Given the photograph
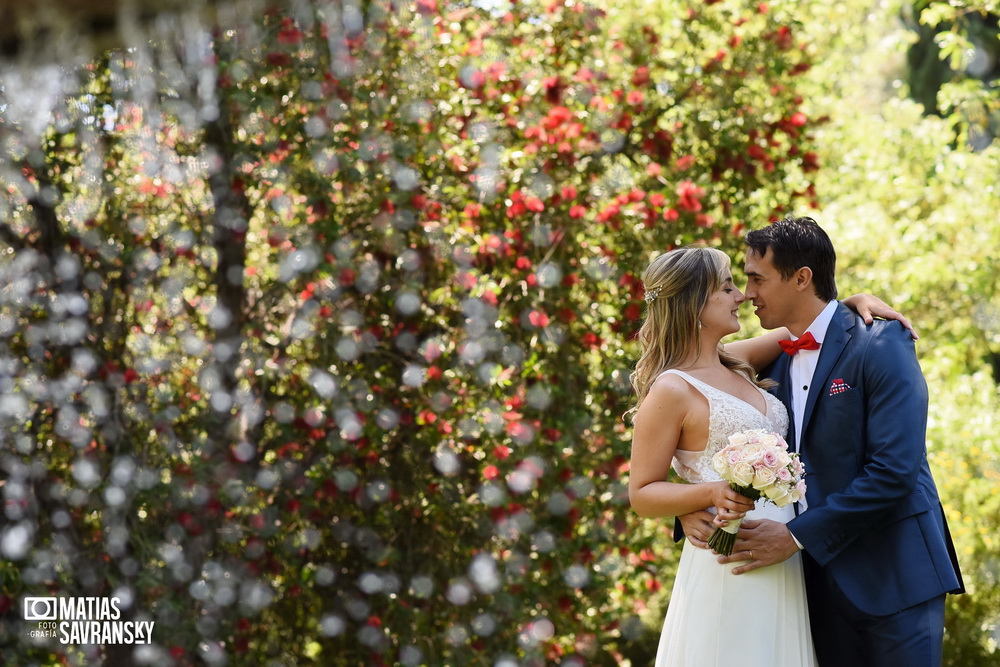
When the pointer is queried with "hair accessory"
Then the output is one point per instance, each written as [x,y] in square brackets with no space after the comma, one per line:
[651,295]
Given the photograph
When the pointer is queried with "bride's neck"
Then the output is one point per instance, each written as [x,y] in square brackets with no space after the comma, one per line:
[706,357]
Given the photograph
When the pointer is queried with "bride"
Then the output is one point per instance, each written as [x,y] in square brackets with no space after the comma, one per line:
[692,393]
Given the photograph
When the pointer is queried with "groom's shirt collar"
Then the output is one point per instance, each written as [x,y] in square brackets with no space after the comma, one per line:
[821,323]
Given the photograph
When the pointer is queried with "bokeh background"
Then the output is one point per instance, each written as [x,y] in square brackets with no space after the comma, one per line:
[316,317]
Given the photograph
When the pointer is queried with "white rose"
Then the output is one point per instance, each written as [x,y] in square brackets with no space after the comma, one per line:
[742,473]
[763,478]
[752,453]
[738,439]
[720,462]
[769,440]
[779,495]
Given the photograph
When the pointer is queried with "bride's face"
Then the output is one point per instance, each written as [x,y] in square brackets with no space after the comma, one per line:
[720,314]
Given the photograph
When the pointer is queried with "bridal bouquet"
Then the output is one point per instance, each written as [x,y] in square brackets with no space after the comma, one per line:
[757,464]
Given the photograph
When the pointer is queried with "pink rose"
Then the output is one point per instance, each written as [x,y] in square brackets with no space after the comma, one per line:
[770,458]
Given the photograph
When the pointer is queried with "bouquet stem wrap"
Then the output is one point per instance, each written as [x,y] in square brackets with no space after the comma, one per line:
[724,537]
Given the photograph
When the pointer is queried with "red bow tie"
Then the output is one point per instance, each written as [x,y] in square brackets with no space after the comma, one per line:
[806,342]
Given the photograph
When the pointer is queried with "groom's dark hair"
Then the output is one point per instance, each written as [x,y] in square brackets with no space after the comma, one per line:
[797,242]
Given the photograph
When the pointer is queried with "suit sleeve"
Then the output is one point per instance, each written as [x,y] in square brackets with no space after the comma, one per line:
[895,425]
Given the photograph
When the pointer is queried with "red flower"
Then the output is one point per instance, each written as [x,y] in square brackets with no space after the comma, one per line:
[810,162]
[690,196]
[567,315]
[641,77]
[556,117]
[783,37]
[279,59]
[289,34]
[756,152]
[798,119]
[538,319]
[427,7]
[491,472]
[684,162]
[553,89]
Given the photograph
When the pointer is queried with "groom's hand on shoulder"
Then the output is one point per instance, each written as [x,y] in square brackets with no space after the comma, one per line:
[759,544]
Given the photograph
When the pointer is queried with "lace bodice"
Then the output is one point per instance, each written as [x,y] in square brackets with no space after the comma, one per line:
[727,415]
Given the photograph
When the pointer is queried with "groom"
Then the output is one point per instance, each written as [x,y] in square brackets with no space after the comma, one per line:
[878,558]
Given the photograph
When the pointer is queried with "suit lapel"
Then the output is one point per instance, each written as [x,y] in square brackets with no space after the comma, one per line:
[837,336]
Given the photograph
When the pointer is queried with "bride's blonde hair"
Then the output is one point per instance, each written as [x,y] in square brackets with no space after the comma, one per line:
[678,284]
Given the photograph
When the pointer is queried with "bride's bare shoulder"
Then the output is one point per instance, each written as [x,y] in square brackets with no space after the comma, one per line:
[670,388]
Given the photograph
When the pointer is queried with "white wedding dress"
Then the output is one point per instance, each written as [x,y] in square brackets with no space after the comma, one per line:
[757,619]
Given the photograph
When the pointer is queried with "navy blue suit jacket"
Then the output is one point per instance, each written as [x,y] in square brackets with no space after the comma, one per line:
[874,521]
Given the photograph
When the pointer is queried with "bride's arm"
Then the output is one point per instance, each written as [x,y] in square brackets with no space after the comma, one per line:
[659,423]
[761,350]
[868,306]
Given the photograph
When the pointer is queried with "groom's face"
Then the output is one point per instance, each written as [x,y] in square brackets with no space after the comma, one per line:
[773,297]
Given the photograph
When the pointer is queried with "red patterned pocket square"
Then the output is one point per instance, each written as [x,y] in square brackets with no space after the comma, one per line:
[838,386]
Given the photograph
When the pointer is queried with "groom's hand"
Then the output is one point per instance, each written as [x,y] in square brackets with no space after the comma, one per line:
[698,527]
[762,543]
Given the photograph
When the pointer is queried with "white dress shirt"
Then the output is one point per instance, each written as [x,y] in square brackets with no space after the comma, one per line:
[801,375]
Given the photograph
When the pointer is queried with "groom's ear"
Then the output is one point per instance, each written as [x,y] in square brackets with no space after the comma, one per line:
[803,278]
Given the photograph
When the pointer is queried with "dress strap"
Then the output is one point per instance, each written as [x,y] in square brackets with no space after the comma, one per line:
[694,382]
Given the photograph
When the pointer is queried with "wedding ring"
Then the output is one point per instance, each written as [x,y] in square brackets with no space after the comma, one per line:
[751,554]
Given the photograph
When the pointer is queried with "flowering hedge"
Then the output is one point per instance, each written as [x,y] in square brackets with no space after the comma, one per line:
[317,339]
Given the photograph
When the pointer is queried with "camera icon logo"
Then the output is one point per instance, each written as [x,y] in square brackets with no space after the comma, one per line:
[40,609]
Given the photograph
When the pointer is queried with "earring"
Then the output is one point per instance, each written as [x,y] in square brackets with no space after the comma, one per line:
[699,324]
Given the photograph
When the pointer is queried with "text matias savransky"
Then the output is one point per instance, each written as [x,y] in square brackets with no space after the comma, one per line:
[85,620]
